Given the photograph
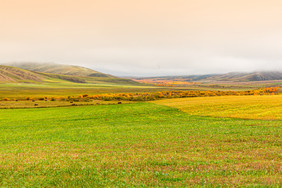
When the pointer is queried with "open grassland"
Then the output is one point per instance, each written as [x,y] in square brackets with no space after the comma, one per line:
[141,144]
[248,107]
[46,104]
[69,89]
[209,84]
[53,88]
[27,102]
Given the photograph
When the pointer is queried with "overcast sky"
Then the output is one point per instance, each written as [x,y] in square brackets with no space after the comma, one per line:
[144,37]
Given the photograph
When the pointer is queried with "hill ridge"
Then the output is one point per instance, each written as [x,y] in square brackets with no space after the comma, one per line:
[231,76]
[76,74]
[62,69]
[14,74]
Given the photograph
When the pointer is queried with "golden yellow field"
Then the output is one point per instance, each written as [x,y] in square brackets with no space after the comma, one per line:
[248,107]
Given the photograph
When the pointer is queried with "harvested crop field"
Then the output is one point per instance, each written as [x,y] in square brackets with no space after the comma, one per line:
[268,107]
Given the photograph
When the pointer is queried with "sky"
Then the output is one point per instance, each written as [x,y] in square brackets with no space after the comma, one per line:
[145,37]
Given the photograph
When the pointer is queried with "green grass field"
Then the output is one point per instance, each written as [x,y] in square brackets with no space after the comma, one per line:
[48,104]
[140,144]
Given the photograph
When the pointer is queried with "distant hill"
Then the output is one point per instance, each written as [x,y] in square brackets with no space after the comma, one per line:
[245,77]
[184,78]
[60,69]
[33,72]
[233,76]
[10,74]
[14,74]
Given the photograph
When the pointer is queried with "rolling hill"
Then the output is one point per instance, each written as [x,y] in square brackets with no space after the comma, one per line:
[32,72]
[230,77]
[14,74]
[60,69]
[245,77]
[38,72]
[9,74]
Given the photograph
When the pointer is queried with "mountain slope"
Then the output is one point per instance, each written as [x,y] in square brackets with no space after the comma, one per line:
[32,72]
[14,74]
[60,69]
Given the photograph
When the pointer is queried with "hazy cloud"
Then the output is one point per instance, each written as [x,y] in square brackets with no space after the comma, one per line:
[144,38]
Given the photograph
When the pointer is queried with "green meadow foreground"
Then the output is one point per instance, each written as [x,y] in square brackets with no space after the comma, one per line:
[139,144]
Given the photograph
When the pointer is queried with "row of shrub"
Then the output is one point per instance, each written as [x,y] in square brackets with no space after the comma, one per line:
[153,96]
[179,94]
